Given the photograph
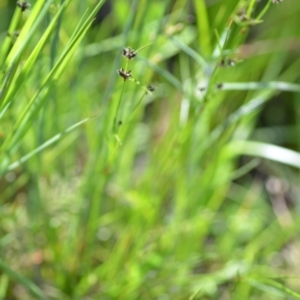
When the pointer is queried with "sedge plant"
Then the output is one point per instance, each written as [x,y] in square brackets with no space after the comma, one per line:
[158,180]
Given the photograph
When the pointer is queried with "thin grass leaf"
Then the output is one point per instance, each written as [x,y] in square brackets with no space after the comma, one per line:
[189,51]
[245,110]
[263,150]
[7,42]
[26,283]
[22,123]
[30,62]
[9,78]
[4,280]
[272,85]
[203,27]
[167,75]
[245,169]
[269,285]
[45,145]
[37,14]
[2,112]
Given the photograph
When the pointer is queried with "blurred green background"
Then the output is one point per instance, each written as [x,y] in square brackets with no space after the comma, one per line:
[111,191]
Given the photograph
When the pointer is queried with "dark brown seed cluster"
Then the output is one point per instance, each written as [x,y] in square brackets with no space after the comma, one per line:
[124,74]
[150,88]
[242,15]
[226,62]
[219,86]
[23,5]
[129,53]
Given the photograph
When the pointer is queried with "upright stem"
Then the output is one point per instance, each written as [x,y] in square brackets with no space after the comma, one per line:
[116,116]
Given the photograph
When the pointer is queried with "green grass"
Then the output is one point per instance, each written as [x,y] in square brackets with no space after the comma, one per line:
[110,191]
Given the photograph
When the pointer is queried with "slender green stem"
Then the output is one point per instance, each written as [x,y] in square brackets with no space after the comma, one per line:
[143,47]
[250,8]
[265,9]
[116,116]
[137,105]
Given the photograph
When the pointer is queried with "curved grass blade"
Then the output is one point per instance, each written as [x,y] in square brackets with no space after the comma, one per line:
[189,51]
[7,42]
[263,150]
[272,286]
[29,285]
[272,85]
[34,105]
[36,16]
[203,26]
[46,145]
[29,64]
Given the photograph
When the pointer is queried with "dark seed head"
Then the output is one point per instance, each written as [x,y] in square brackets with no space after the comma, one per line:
[129,53]
[226,61]
[23,5]
[150,88]
[124,74]
[219,85]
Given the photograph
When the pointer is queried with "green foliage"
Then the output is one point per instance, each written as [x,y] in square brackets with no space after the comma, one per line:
[132,177]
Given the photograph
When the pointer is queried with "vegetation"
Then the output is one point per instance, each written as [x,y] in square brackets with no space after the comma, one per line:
[151,152]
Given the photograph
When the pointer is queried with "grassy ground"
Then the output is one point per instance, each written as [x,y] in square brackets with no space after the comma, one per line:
[175,177]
